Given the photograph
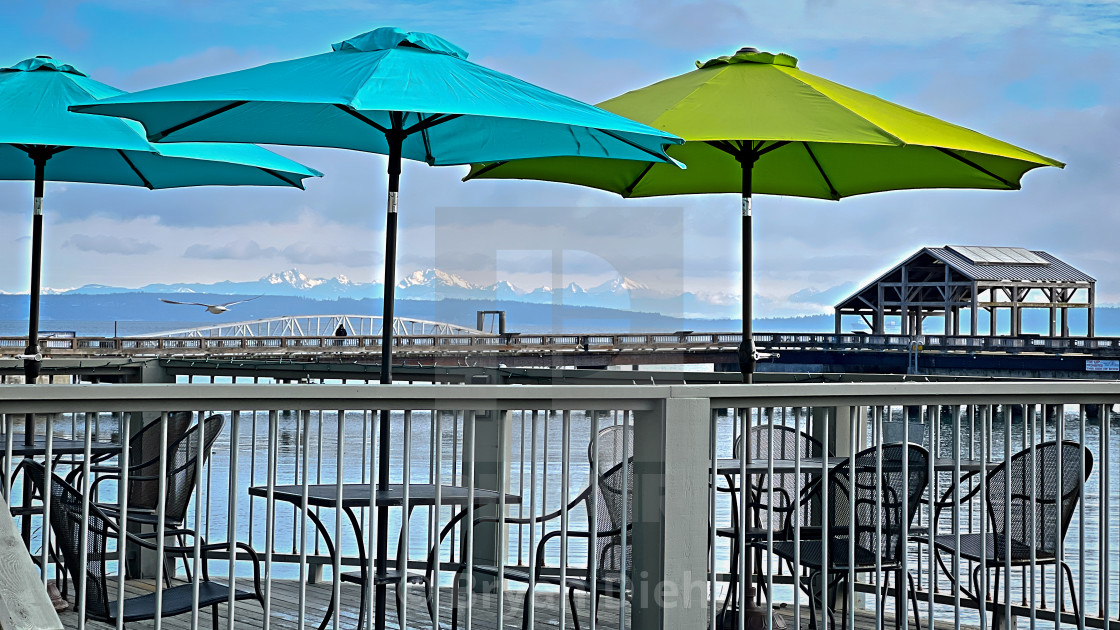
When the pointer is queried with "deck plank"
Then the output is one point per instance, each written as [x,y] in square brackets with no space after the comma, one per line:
[285,601]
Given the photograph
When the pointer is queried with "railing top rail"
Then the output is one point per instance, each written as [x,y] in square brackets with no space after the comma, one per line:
[163,397]
[904,393]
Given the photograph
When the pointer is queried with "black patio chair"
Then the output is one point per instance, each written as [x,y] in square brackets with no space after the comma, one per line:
[143,476]
[614,518]
[1043,500]
[143,447]
[66,505]
[787,443]
[879,492]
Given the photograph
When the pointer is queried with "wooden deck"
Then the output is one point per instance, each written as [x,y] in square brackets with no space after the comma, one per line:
[285,606]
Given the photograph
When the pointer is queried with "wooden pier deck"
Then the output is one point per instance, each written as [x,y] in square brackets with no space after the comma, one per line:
[285,606]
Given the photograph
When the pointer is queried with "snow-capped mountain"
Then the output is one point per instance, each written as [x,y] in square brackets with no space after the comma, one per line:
[434,284]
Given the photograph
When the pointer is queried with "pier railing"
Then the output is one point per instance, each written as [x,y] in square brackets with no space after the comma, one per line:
[496,460]
[294,343]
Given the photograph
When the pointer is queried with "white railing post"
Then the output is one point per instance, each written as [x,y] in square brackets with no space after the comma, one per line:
[490,456]
[671,471]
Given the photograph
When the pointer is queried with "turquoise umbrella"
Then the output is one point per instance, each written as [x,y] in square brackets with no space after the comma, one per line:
[41,140]
[406,95]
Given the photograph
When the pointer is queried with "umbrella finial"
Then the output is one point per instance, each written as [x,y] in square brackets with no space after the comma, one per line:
[389,37]
[43,62]
[750,54]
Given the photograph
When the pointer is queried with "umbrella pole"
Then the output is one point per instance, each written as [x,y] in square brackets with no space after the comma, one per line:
[747,358]
[381,568]
[32,360]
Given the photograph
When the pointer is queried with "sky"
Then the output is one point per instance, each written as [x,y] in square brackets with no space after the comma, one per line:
[1041,74]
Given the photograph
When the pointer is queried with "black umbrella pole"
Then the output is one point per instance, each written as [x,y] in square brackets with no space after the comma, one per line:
[32,361]
[746,347]
[381,568]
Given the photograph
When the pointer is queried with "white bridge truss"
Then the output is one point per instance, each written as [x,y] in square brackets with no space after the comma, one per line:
[318,326]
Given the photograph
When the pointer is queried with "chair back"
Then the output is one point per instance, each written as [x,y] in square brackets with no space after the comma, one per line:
[785,442]
[884,500]
[66,521]
[144,455]
[1043,497]
[182,466]
[612,460]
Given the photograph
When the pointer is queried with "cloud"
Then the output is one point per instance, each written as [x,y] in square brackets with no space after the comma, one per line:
[101,244]
[234,250]
[306,253]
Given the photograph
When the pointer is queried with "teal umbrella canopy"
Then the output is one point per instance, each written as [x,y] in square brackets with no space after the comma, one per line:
[41,140]
[452,111]
[34,120]
[407,95]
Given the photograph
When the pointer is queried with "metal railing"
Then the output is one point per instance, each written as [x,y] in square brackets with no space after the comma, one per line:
[437,340]
[481,466]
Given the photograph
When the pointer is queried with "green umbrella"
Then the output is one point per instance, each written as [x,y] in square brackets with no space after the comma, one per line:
[40,140]
[754,123]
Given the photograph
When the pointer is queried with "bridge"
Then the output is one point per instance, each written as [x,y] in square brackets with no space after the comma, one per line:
[318,326]
[433,344]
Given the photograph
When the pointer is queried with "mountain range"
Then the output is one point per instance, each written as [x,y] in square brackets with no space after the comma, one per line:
[433,285]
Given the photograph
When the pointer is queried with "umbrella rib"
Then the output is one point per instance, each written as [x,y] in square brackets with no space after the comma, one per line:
[483,170]
[297,183]
[660,158]
[427,123]
[725,146]
[764,150]
[156,137]
[147,184]
[961,158]
[820,169]
[359,116]
[637,180]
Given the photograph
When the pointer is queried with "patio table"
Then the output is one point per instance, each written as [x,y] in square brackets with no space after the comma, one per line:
[357,495]
[59,446]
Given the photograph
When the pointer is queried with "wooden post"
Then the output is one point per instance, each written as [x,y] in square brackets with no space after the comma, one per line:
[1092,309]
[24,603]
[973,323]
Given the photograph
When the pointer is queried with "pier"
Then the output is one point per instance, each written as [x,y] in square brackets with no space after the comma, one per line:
[1024,356]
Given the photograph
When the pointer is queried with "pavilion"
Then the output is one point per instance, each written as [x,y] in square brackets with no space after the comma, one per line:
[944,281]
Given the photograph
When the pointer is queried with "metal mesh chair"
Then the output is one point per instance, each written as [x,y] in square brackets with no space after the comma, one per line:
[613,521]
[785,442]
[879,491]
[181,468]
[1043,500]
[100,603]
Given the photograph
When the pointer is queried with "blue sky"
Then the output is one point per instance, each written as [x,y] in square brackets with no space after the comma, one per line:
[1039,74]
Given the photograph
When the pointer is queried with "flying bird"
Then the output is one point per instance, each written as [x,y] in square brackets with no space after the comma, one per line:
[216,309]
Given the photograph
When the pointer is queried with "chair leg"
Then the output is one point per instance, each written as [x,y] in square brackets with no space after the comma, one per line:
[914,600]
[455,598]
[214,616]
[1072,591]
[525,609]
[572,605]
[813,604]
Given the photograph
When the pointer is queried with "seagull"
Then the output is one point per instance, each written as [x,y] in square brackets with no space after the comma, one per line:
[216,309]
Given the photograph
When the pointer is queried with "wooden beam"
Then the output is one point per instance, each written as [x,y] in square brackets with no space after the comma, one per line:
[24,603]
